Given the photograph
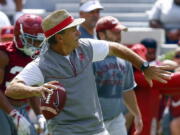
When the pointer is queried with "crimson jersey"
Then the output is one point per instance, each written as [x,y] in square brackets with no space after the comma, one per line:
[17,61]
[175,106]
[148,99]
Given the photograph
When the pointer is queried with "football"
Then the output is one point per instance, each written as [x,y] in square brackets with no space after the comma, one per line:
[54,103]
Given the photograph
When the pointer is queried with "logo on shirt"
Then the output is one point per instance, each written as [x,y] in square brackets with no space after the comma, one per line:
[81,56]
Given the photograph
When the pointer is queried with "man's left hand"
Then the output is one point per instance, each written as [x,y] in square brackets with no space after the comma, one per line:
[158,73]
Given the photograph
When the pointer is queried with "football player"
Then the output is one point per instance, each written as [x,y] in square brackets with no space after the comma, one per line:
[14,55]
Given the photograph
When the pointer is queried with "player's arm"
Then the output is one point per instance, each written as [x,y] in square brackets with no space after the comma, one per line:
[158,73]
[4,103]
[4,60]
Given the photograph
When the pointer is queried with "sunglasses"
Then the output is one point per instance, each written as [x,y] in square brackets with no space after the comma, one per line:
[177,56]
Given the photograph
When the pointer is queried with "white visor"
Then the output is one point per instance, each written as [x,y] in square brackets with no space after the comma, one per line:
[90,6]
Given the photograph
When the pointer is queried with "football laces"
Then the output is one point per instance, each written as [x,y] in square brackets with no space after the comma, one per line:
[48,97]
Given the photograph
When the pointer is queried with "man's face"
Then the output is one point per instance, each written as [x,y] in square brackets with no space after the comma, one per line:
[70,39]
[91,17]
[114,36]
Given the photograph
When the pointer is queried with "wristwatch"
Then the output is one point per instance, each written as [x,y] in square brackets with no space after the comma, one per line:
[144,66]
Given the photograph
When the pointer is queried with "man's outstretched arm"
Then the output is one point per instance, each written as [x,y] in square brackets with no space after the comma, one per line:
[157,73]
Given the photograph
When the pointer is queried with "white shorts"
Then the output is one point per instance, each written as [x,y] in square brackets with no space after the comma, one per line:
[116,126]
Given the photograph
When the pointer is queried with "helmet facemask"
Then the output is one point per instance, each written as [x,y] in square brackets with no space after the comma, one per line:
[28,34]
[30,42]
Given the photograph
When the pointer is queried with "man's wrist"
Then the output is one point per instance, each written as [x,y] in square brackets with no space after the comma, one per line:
[144,66]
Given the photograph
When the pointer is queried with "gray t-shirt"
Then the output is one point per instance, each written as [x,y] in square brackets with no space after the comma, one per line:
[113,76]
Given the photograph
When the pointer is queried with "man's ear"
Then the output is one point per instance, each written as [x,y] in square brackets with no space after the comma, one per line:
[58,37]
